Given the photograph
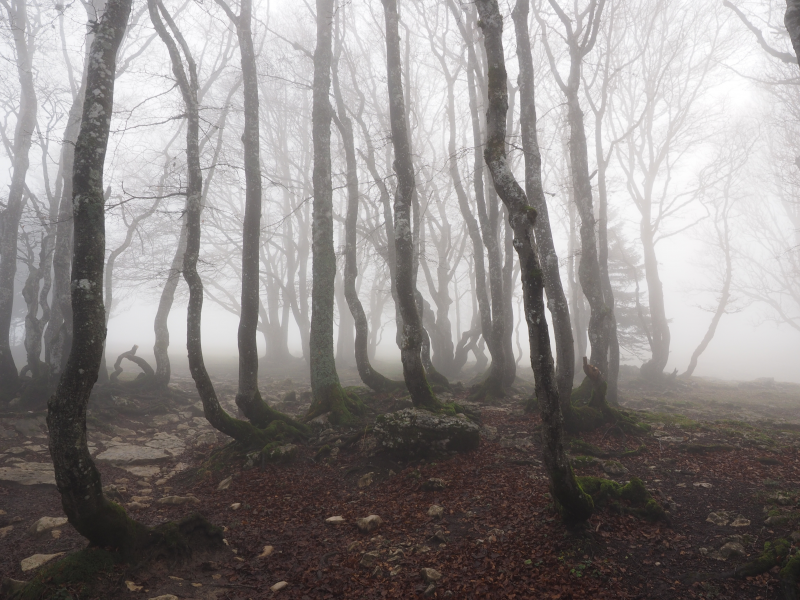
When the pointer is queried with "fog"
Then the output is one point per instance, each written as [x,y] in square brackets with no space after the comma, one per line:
[697,114]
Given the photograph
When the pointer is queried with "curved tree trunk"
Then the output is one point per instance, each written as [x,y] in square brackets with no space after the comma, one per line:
[567,493]
[101,521]
[9,218]
[369,376]
[556,298]
[411,337]
[660,334]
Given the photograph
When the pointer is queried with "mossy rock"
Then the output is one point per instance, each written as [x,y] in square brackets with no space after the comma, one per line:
[632,497]
[78,573]
[415,433]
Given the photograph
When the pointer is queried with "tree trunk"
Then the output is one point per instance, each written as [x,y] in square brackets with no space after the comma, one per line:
[791,21]
[369,376]
[574,504]
[411,337]
[101,521]
[160,326]
[556,298]
[328,395]
[660,335]
[9,218]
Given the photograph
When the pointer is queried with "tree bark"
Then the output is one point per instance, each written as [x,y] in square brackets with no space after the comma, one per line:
[574,504]
[791,20]
[411,336]
[660,334]
[328,395]
[101,521]
[556,298]
[9,218]
[369,376]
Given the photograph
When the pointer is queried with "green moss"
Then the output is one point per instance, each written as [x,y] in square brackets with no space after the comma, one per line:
[578,445]
[773,554]
[637,499]
[636,452]
[790,573]
[344,407]
[670,419]
[75,573]
[583,462]
[570,498]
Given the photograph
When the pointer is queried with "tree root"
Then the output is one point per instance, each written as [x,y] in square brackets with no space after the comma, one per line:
[281,426]
[344,407]
[144,378]
[637,500]
[598,412]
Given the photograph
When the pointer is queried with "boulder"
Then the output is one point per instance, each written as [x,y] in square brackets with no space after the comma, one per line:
[28,473]
[369,524]
[45,524]
[436,511]
[37,560]
[732,550]
[337,520]
[365,480]
[614,468]
[413,432]
[128,454]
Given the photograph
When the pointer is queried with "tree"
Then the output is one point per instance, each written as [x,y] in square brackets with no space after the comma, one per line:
[411,336]
[328,395]
[574,504]
[24,35]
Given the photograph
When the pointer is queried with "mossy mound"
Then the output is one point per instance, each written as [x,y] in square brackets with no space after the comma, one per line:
[342,406]
[631,498]
[597,412]
[74,576]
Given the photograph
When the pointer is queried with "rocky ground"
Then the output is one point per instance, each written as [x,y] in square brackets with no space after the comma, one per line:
[722,457]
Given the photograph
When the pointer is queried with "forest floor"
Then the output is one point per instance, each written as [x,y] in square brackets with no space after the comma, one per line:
[728,448]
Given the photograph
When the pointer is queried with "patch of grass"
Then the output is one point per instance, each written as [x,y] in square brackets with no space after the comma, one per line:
[675,420]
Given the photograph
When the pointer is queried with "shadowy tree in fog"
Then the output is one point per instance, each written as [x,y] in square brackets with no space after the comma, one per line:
[24,34]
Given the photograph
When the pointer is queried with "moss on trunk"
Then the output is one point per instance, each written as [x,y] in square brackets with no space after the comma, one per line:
[343,407]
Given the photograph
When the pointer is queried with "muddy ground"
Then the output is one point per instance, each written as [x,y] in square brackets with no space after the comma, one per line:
[727,448]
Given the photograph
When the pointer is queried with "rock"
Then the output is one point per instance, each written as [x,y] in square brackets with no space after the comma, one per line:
[365,480]
[368,559]
[137,505]
[614,468]
[236,506]
[337,520]
[55,534]
[776,520]
[489,432]
[113,492]
[4,531]
[430,575]
[740,521]
[29,473]
[266,552]
[162,420]
[414,432]
[141,471]
[279,586]
[718,518]
[702,484]
[178,500]
[321,419]
[434,484]
[28,426]
[37,560]
[45,524]
[783,500]
[436,511]
[165,597]
[166,441]
[369,524]
[133,587]
[283,453]
[794,536]
[128,454]
[732,550]
[225,484]
[205,439]
[429,590]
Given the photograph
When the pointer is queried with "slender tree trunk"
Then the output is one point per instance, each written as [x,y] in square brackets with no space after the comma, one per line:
[77,478]
[328,395]
[9,218]
[556,298]
[411,337]
[575,505]
[660,334]
[368,375]
[160,326]
[791,21]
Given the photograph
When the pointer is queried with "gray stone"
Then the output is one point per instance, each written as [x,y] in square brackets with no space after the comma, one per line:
[720,517]
[369,524]
[28,473]
[45,524]
[412,431]
[489,432]
[740,521]
[141,470]
[365,480]
[37,560]
[128,454]
[732,550]
[436,511]
[614,468]
[7,434]
[337,520]
[168,442]
[283,453]
[206,438]
[162,420]
[4,531]
[776,520]
[28,426]
[225,483]
[368,559]
[279,586]
[430,575]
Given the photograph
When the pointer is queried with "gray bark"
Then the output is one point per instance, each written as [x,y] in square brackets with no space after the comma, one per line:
[10,216]
[411,336]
